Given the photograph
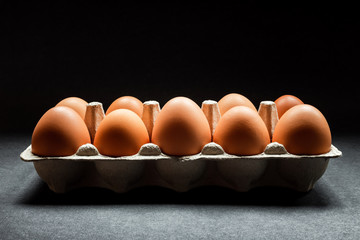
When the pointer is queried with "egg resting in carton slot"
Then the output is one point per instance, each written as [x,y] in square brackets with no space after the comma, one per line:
[150,167]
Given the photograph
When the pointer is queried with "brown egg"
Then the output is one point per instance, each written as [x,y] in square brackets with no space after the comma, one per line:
[181,128]
[241,131]
[121,133]
[127,102]
[59,132]
[286,102]
[77,104]
[232,100]
[303,130]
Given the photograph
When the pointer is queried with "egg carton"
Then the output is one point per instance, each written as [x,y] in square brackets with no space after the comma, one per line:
[151,167]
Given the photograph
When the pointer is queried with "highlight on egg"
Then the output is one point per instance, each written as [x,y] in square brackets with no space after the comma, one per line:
[127,102]
[232,100]
[181,128]
[59,132]
[303,129]
[121,133]
[286,102]
[76,103]
[241,131]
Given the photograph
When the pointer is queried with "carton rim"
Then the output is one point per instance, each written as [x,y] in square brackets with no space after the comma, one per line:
[28,156]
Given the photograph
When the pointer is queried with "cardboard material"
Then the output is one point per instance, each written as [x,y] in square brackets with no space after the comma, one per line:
[93,116]
[269,115]
[212,113]
[212,166]
[150,111]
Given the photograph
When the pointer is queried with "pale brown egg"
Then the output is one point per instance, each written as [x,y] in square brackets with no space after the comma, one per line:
[286,102]
[59,132]
[127,102]
[303,129]
[232,100]
[77,104]
[121,133]
[181,128]
[241,131]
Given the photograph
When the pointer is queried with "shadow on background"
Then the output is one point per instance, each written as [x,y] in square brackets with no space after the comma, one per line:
[320,196]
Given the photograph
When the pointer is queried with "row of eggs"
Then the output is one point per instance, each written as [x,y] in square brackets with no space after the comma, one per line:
[181,128]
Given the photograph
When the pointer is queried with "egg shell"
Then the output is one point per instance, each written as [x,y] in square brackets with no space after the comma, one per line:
[232,100]
[77,104]
[59,132]
[303,130]
[121,133]
[241,131]
[286,102]
[127,102]
[181,128]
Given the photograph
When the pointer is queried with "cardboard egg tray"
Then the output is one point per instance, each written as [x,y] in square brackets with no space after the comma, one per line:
[211,167]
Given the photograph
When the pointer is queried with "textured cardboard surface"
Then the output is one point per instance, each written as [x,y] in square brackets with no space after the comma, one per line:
[150,167]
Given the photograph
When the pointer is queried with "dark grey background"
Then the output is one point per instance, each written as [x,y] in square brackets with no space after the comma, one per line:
[29,210]
[103,50]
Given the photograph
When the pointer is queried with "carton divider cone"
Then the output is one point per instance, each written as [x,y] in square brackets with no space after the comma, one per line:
[93,116]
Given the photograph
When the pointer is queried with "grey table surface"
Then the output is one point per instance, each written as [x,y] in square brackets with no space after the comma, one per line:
[29,210]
